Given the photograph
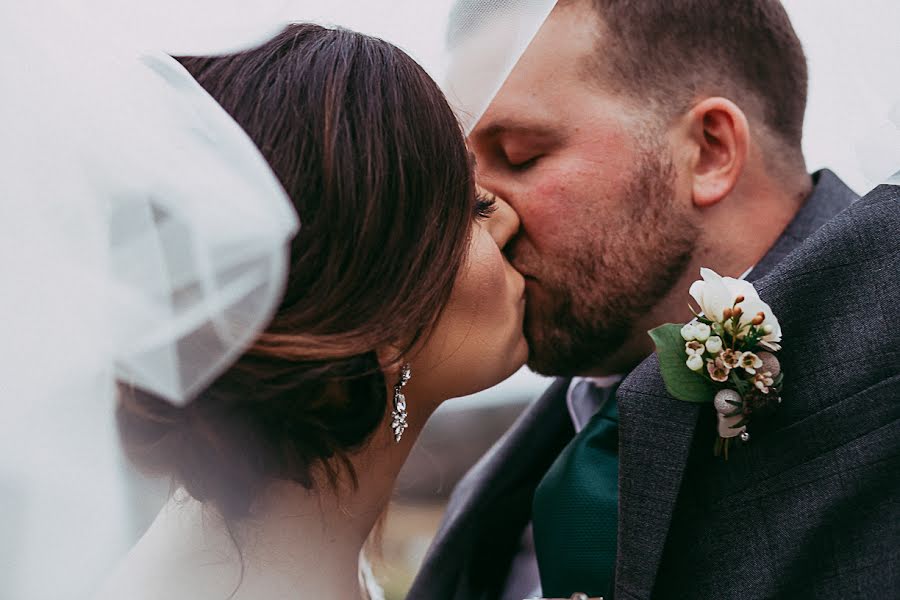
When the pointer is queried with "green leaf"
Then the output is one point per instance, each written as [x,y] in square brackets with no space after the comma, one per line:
[681,382]
[738,383]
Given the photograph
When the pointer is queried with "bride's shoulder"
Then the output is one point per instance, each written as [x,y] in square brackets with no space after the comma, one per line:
[183,555]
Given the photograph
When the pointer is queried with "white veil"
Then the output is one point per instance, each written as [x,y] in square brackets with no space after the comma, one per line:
[144,230]
[143,237]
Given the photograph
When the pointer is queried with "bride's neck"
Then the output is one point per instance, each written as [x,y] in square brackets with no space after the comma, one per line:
[311,540]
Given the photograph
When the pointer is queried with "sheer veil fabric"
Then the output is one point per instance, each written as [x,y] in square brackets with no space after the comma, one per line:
[468,46]
[144,192]
[143,238]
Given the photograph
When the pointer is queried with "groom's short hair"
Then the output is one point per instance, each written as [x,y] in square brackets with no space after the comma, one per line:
[672,52]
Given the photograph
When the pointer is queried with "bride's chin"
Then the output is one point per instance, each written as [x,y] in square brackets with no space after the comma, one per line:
[522,351]
[500,367]
[517,357]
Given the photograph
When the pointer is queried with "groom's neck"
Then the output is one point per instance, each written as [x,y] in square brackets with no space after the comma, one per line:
[749,223]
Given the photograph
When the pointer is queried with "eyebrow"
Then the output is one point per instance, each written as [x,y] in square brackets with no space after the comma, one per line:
[503,126]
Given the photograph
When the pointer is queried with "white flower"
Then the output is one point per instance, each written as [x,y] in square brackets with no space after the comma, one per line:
[702,332]
[731,358]
[770,325]
[694,347]
[750,362]
[718,370]
[689,332]
[714,344]
[762,381]
[695,362]
[716,293]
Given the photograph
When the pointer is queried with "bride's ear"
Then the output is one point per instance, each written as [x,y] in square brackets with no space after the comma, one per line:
[720,134]
[390,360]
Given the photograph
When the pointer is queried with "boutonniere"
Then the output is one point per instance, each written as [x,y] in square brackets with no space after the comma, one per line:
[725,355]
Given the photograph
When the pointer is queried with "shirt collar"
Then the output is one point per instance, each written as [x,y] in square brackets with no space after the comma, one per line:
[582,407]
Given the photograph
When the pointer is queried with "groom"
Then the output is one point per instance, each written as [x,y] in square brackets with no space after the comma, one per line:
[640,141]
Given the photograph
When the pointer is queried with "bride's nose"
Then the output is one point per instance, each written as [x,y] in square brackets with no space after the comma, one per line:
[503,224]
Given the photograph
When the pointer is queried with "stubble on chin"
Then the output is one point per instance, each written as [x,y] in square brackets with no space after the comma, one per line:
[595,291]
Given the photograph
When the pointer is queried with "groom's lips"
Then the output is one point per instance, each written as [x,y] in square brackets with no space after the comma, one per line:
[522,271]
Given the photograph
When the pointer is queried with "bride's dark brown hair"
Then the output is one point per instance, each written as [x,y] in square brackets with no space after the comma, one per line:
[376,165]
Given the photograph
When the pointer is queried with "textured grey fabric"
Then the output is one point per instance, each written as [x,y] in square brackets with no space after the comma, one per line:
[810,508]
[491,506]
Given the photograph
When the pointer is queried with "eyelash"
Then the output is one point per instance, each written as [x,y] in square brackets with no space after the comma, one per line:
[523,166]
[485,205]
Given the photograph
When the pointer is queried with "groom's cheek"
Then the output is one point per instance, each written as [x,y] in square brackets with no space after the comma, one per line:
[545,202]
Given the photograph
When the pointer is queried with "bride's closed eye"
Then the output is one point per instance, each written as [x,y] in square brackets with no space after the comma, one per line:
[485,205]
[498,217]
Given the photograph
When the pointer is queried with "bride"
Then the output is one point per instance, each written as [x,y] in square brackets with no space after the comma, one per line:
[398,298]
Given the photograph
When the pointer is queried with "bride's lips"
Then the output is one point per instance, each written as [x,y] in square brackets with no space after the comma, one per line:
[529,280]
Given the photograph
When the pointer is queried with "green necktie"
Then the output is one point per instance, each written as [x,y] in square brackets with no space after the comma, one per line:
[575,507]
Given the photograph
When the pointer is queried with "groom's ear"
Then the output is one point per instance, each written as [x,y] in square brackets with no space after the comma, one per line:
[721,137]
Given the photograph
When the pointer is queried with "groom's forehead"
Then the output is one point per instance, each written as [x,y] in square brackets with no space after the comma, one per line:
[493,55]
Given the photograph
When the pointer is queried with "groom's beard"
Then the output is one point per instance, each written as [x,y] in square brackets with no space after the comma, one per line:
[592,295]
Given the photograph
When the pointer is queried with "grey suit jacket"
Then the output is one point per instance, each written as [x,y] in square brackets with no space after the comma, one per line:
[810,508]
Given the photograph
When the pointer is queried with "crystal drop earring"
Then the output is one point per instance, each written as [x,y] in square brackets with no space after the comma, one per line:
[398,416]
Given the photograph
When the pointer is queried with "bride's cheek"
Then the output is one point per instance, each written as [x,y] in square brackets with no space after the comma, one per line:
[478,307]
[496,304]
[488,280]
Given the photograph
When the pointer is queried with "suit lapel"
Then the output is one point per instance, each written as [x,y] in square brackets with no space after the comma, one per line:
[656,431]
[492,504]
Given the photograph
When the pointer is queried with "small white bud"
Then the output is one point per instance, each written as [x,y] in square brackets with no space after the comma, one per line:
[714,344]
[695,362]
[702,332]
[767,329]
[694,347]
[689,332]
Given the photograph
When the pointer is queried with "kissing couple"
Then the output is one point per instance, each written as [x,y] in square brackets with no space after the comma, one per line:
[632,145]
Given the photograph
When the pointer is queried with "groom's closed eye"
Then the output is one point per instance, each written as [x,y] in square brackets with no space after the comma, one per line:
[522,165]
[515,147]
[521,153]
[518,157]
